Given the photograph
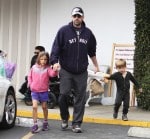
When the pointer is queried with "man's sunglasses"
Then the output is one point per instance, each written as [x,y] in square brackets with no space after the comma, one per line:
[36,53]
[77,15]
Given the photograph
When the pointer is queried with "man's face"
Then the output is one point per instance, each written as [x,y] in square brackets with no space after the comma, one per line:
[77,20]
[36,51]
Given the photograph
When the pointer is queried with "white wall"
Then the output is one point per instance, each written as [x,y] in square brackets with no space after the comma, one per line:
[19,34]
[112,21]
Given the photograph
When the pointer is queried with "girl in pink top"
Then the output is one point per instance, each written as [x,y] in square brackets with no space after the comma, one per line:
[38,81]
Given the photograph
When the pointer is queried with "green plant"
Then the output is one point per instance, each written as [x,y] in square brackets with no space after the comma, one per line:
[142,51]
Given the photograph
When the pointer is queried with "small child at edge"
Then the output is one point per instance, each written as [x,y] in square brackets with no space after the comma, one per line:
[122,78]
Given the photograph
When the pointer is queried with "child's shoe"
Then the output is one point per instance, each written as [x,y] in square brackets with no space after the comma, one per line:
[115,115]
[124,117]
[34,129]
[45,126]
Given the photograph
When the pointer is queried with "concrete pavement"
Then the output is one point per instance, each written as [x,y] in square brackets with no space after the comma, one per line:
[93,114]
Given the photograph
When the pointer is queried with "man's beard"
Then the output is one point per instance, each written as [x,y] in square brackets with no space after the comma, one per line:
[77,24]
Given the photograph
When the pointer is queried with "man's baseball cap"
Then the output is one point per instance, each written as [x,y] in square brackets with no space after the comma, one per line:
[77,10]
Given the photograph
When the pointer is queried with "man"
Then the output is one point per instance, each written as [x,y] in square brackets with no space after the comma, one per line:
[71,47]
[37,50]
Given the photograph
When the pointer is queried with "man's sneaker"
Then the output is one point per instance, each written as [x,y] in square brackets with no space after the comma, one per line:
[64,124]
[115,115]
[124,117]
[34,129]
[45,126]
[76,129]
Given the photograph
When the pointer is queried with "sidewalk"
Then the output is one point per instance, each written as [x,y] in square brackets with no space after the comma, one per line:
[95,113]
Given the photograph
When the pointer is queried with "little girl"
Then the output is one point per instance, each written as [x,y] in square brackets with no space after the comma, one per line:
[38,81]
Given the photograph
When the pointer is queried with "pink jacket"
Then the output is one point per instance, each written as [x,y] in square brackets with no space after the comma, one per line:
[38,78]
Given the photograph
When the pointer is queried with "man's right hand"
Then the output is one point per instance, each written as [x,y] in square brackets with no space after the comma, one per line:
[56,66]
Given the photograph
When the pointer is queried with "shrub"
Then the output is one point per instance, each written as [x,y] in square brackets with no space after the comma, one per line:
[142,51]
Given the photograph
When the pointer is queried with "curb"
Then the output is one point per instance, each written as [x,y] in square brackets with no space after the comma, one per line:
[21,113]
[139,132]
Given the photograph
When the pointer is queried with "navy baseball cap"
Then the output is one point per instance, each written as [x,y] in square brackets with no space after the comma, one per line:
[77,10]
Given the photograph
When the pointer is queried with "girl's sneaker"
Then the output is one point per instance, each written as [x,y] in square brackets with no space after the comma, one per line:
[45,126]
[35,128]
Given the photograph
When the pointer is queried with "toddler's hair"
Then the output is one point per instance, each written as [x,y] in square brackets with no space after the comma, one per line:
[41,54]
[120,63]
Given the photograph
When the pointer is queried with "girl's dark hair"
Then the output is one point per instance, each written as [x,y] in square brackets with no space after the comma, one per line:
[42,54]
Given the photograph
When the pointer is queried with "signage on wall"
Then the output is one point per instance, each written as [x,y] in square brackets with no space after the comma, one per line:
[123,51]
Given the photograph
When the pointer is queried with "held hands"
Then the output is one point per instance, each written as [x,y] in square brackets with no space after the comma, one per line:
[105,80]
[106,75]
[56,67]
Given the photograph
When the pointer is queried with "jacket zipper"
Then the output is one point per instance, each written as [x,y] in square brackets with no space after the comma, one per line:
[40,78]
[78,37]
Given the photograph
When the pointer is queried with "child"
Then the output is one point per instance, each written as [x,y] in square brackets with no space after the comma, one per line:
[37,50]
[38,81]
[122,78]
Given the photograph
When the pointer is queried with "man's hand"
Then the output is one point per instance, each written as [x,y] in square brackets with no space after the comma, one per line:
[56,67]
[96,70]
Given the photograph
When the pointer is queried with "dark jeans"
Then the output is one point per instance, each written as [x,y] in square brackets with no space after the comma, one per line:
[122,97]
[79,84]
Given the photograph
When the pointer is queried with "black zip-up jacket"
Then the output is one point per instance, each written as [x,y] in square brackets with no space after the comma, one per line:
[123,84]
[72,50]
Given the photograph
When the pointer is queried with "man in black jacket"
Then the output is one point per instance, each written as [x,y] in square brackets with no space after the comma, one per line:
[37,50]
[72,46]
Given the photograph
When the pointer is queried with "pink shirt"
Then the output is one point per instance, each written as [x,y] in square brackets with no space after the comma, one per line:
[38,78]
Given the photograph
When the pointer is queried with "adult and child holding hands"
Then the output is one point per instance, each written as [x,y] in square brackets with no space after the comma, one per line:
[72,45]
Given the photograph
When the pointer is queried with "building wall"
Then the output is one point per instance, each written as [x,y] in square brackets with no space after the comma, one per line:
[112,21]
[26,23]
[19,30]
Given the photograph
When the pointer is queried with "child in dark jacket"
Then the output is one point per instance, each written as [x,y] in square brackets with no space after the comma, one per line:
[38,81]
[122,78]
